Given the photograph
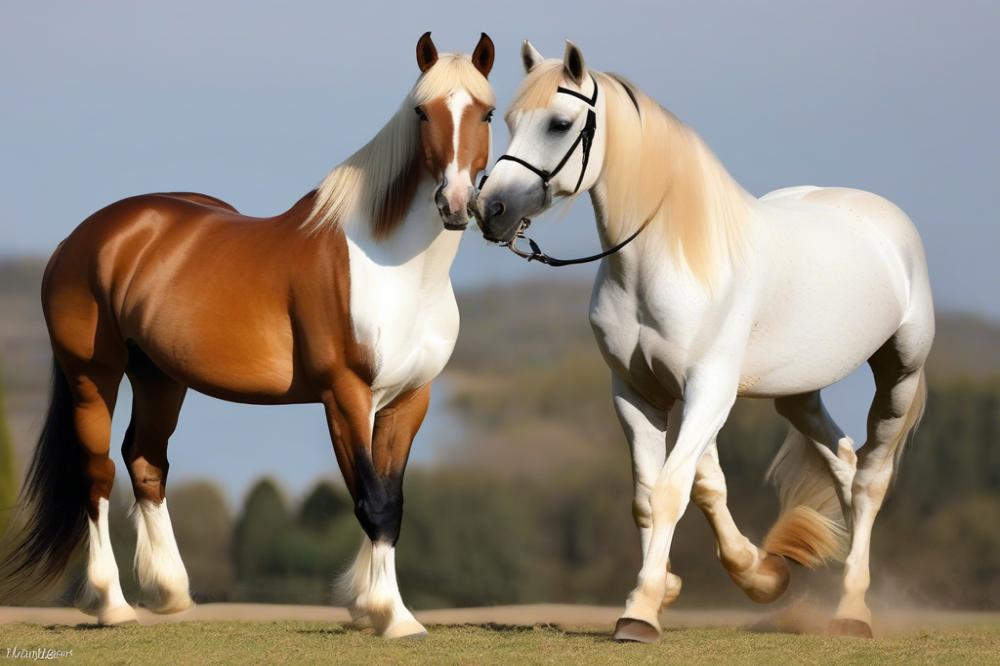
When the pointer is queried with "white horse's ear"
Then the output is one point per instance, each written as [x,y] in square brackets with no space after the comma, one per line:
[530,56]
[427,53]
[573,63]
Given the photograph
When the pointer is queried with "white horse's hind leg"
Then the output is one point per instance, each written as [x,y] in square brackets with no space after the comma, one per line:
[764,577]
[899,399]
[808,415]
[102,593]
[371,593]
[163,580]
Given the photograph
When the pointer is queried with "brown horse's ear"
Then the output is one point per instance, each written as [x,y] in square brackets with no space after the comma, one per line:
[427,53]
[482,57]
[573,63]
[530,56]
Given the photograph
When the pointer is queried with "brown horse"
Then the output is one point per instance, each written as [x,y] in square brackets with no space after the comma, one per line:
[344,299]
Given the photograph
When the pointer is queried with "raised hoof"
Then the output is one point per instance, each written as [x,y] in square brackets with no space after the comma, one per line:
[852,628]
[632,630]
[767,581]
[117,617]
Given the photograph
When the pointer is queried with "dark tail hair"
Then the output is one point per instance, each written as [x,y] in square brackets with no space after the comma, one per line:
[52,507]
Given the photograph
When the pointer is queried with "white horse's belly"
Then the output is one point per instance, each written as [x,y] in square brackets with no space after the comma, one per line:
[837,288]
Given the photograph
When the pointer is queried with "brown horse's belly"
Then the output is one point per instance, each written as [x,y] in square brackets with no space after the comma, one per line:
[227,337]
[248,367]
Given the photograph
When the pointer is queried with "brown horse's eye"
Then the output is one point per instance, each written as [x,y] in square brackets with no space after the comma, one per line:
[488,118]
[420,113]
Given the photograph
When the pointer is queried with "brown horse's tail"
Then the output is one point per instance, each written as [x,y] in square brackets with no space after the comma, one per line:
[52,508]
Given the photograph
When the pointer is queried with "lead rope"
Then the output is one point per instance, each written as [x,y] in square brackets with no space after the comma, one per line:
[536,253]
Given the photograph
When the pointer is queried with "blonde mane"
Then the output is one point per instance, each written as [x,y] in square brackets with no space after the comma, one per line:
[698,209]
[381,178]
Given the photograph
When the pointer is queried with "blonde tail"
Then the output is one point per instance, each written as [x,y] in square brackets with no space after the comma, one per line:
[810,528]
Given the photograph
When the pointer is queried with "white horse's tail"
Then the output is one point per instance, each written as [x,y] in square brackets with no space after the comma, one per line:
[810,528]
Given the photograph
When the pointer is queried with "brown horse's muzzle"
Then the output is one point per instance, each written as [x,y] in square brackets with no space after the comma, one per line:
[455,206]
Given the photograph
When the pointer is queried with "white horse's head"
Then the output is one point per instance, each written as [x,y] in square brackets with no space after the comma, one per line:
[557,145]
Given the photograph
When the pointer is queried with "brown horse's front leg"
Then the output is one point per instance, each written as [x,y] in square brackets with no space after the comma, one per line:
[373,461]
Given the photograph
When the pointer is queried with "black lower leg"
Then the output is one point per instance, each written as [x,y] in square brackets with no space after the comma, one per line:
[378,504]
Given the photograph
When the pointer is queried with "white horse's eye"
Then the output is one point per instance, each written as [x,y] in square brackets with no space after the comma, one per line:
[559,125]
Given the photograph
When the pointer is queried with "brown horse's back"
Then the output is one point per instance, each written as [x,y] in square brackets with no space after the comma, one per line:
[204,199]
[204,292]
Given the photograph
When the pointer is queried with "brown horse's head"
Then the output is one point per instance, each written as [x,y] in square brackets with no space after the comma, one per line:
[454,103]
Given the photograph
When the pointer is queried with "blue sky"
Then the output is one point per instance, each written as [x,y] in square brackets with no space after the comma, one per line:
[255,102]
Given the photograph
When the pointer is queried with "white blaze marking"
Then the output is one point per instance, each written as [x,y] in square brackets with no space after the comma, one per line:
[457,103]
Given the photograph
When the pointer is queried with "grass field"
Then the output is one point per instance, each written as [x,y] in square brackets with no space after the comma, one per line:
[300,642]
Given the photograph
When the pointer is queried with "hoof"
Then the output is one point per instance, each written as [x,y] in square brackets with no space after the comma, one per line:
[118,616]
[361,623]
[164,599]
[632,630]
[176,604]
[405,629]
[853,628]
[765,582]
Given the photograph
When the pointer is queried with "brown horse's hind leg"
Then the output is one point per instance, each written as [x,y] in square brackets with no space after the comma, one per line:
[156,403]
[95,390]
[369,588]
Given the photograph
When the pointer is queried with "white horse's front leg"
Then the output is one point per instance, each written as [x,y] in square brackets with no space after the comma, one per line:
[763,576]
[709,395]
[645,429]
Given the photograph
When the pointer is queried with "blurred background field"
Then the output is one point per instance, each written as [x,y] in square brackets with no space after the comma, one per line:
[526,496]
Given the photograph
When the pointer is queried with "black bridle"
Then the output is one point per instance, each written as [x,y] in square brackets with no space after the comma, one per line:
[586,139]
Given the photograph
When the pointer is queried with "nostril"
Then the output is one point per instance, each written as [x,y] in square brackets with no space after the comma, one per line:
[497,208]
[441,200]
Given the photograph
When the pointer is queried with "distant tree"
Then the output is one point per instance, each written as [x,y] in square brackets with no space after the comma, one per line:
[259,532]
[323,506]
[203,526]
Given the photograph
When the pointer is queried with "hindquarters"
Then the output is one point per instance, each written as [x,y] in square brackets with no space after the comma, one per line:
[841,271]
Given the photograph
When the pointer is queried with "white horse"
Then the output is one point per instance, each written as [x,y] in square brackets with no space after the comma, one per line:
[720,295]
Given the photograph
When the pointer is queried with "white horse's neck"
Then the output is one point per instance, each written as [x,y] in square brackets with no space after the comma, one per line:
[700,220]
